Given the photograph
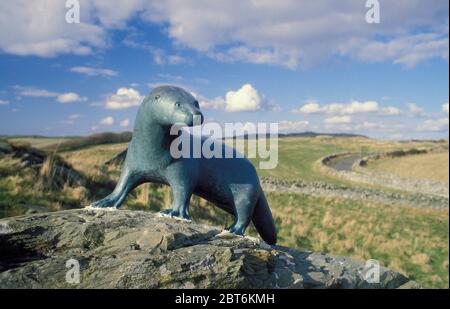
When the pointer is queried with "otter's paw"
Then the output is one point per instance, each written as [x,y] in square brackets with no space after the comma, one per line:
[103,203]
[176,214]
[239,231]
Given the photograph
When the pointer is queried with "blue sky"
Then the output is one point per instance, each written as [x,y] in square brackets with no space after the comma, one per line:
[310,66]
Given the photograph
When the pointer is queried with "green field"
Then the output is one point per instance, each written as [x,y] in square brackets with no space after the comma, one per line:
[410,240]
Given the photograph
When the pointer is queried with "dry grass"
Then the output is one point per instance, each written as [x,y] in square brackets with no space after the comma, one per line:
[38,142]
[46,174]
[297,155]
[433,166]
[24,189]
[90,160]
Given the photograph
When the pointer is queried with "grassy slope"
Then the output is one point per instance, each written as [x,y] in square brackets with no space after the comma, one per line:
[432,166]
[296,156]
[39,142]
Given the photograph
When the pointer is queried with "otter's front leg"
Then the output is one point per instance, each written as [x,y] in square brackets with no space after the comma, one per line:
[125,184]
[181,196]
[182,180]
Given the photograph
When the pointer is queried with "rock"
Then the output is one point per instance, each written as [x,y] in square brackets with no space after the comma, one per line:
[135,249]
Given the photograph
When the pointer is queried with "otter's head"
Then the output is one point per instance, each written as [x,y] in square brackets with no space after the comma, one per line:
[170,105]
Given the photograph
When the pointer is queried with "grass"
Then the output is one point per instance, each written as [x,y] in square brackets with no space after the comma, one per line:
[23,189]
[412,241]
[89,160]
[38,142]
[433,166]
[296,155]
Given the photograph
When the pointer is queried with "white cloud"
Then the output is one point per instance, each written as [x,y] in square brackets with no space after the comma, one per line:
[124,98]
[161,58]
[70,97]
[67,97]
[72,119]
[337,120]
[125,123]
[367,125]
[407,50]
[351,108]
[216,103]
[94,71]
[390,111]
[246,98]
[434,125]
[301,32]
[258,56]
[414,109]
[108,121]
[39,28]
[116,15]
[290,33]
[360,107]
[159,55]
[4,102]
[34,92]
[293,126]
[310,108]
[445,108]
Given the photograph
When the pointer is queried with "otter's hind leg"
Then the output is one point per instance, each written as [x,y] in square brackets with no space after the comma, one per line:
[125,184]
[244,202]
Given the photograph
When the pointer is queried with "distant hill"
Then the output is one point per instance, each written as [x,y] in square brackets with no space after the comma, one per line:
[77,142]
[315,134]
[91,140]
[307,134]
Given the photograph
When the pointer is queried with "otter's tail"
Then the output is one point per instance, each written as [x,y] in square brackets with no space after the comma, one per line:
[263,220]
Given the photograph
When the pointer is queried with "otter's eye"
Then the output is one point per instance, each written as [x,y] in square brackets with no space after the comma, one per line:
[177,104]
[157,97]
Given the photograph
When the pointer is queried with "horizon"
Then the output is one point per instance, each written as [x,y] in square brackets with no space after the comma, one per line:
[280,135]
[310,67]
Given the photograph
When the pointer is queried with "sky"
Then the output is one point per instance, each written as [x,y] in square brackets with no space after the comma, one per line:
[307,65]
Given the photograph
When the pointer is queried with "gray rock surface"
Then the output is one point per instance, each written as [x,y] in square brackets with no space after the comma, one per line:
[134,249]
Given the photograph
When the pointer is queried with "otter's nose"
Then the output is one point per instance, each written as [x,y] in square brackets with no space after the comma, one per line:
[198,117]
[196,114]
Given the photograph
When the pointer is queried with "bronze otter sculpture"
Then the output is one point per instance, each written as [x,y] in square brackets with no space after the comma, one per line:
[232,184]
